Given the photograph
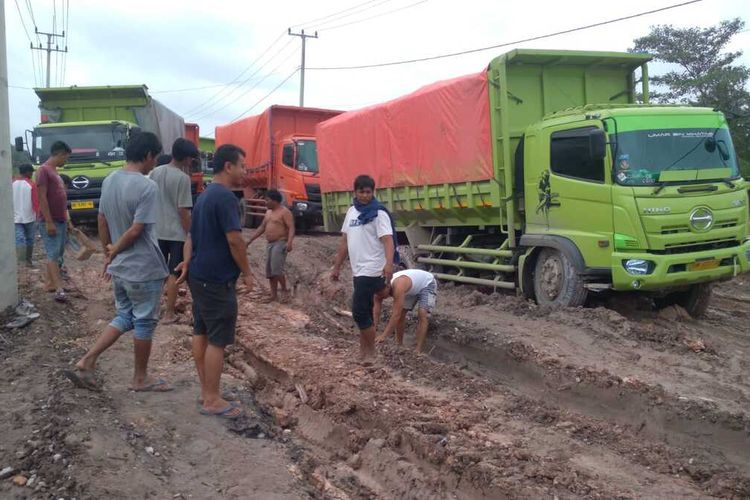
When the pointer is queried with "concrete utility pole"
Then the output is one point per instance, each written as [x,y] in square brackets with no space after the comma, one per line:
[303,36]
[8,269]
[49,48]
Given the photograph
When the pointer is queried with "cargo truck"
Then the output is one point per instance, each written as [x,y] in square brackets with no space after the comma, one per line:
[544,174]
[96,122]
[281,154]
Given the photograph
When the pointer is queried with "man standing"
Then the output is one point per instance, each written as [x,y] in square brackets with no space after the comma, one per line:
[25,210]
[409,288]
[53,205]
[368,239]
[278,225]
[173,222]
[127,214]
[215,254]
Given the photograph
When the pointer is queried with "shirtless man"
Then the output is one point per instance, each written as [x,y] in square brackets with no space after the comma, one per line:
[278,225]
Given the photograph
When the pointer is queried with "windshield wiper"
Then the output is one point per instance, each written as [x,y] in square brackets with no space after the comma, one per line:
[729,183]
[659,187]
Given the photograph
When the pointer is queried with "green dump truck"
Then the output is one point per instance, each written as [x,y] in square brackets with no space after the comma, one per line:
[96,122]
[543,174]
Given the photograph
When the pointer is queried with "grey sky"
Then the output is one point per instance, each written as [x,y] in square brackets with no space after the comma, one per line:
[170,45]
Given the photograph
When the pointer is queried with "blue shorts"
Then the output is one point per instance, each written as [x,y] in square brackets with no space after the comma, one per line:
[54,246]
[137,305]
[25,234]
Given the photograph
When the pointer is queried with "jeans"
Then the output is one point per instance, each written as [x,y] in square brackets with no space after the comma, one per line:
[54,246]
[137,306]
[25,241]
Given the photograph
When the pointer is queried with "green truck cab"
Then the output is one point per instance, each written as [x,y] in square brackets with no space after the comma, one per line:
[96,122]
[589,192]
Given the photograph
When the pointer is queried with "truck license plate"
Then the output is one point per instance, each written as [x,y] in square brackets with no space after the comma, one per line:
[703,265]
[79,205]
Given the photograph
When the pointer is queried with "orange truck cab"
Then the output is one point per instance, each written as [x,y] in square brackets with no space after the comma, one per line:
[280,153]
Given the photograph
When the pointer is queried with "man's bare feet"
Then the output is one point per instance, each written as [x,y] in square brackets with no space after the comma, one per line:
[223,408]
[151,384]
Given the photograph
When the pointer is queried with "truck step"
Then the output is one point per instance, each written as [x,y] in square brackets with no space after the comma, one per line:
[509,285]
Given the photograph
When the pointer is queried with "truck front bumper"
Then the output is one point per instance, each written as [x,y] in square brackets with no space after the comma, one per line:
[307,209]
[678,270]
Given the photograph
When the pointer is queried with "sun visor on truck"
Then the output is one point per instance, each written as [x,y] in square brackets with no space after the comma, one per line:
[438,134]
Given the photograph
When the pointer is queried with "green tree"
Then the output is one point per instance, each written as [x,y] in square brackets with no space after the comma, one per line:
[703,74]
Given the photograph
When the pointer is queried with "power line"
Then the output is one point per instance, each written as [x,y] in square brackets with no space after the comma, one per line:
[210,112]
[505,44]
[188,89]
[350,14]
[331,15]
[30,8]
[67,37]
[374,16]
[31,44]
[201,107]
[267,95]
[270,73]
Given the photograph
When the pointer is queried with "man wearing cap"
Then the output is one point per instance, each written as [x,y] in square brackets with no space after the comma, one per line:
[173,223]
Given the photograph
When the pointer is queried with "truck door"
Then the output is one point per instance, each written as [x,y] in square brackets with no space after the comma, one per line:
[575,193]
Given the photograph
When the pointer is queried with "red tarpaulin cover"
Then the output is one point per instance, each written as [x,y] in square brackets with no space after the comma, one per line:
[438,134]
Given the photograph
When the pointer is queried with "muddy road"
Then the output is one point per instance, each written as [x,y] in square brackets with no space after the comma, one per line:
[614,400]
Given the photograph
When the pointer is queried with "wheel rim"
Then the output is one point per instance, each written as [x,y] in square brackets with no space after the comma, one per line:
[551,278]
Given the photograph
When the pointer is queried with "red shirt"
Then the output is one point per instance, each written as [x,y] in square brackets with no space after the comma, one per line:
[57,198]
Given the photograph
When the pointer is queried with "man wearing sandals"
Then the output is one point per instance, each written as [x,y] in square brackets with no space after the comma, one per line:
[215,255]
[128,211]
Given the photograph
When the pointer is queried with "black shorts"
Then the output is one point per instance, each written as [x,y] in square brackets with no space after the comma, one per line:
[172,252]
[214,311]
[365,288]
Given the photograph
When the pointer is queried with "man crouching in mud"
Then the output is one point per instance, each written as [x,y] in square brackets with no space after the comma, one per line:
[409,288]
[368,239]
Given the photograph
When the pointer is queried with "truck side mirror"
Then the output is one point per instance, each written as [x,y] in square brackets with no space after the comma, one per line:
[287,155]
[19,144]
[597,144]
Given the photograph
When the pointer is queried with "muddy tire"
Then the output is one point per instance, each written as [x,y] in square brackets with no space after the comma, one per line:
[556,281]
[695,300]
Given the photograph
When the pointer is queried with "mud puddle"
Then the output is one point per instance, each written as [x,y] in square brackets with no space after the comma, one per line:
[649,410]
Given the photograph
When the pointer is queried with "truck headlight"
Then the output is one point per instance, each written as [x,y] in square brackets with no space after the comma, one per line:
[638,267]
[301,206]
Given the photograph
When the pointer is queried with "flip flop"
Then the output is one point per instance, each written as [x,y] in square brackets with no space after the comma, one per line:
[225,413]
[160,385]
[20,322]
[82,381]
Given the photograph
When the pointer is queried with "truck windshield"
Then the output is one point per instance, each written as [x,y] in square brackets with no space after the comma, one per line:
[642,155]
[98,143]
[307,156]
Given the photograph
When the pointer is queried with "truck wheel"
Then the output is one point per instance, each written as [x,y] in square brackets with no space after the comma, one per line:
[694,300]
[556,281]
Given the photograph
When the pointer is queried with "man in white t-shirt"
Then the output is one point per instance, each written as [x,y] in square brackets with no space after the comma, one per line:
[368,239]
[409,288]
[25,210]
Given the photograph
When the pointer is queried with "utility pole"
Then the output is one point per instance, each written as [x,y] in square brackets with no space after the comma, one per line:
[49,48]
[303,36]
[8,269]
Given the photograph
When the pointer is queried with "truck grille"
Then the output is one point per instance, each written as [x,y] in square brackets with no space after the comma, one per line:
[90,192]
[677,248]
[684,228]
[313,193]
